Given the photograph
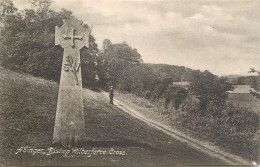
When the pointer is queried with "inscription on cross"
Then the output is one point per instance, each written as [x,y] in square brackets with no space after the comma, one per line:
[71,65]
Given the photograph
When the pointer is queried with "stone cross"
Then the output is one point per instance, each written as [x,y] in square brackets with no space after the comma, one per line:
[69,127]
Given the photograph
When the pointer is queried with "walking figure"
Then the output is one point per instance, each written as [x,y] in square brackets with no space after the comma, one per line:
[111,95]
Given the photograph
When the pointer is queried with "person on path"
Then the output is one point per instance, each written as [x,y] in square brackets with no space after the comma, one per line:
[111,95]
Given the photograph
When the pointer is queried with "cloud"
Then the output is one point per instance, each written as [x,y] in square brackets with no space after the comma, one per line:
[22,4]
[221,36]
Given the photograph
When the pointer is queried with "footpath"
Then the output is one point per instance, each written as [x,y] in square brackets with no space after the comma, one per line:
[210,150]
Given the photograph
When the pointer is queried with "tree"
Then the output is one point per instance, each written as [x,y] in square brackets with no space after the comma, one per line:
[7,8]
[11,25]
[240,80]
[106,44]
[252,70]
[210,90]
[160,89]
[256,79]
[41,6]
[28,43]
[117,61]
[176,95]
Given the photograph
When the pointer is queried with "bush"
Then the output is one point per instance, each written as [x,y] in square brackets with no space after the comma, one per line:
[237,128]
[234,128]
[210,90]
[257,95]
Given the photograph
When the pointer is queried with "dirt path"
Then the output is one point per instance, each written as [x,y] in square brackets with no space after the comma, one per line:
[205,148]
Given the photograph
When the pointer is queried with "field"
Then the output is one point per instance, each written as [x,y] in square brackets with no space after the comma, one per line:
[245,100]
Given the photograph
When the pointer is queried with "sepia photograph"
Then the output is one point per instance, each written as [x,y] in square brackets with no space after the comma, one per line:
[129,83]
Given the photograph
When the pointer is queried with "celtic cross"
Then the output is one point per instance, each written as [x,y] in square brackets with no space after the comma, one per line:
[69,121]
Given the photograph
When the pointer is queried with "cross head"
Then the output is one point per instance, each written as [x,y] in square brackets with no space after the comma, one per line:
[72,37]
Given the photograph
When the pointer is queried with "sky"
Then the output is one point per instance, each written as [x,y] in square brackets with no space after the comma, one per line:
[222,36]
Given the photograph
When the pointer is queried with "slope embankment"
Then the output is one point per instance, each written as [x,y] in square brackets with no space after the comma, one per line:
[27,117]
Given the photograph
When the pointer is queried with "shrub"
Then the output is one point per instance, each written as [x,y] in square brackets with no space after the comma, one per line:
[234,128]
[257,95]
[210,89]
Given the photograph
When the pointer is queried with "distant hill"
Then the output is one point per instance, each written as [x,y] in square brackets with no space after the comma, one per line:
[177,73]
[232,76]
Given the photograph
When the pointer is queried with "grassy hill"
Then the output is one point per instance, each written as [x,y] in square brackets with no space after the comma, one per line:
[27,115]
[28,106]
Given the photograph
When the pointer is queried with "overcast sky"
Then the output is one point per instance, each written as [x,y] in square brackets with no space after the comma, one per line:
[221,36]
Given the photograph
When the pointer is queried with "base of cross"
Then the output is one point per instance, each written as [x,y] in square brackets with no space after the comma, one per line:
[69,129]
[75,141]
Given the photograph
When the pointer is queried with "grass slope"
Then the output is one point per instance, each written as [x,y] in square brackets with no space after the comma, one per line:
[28,107]
[27,116]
